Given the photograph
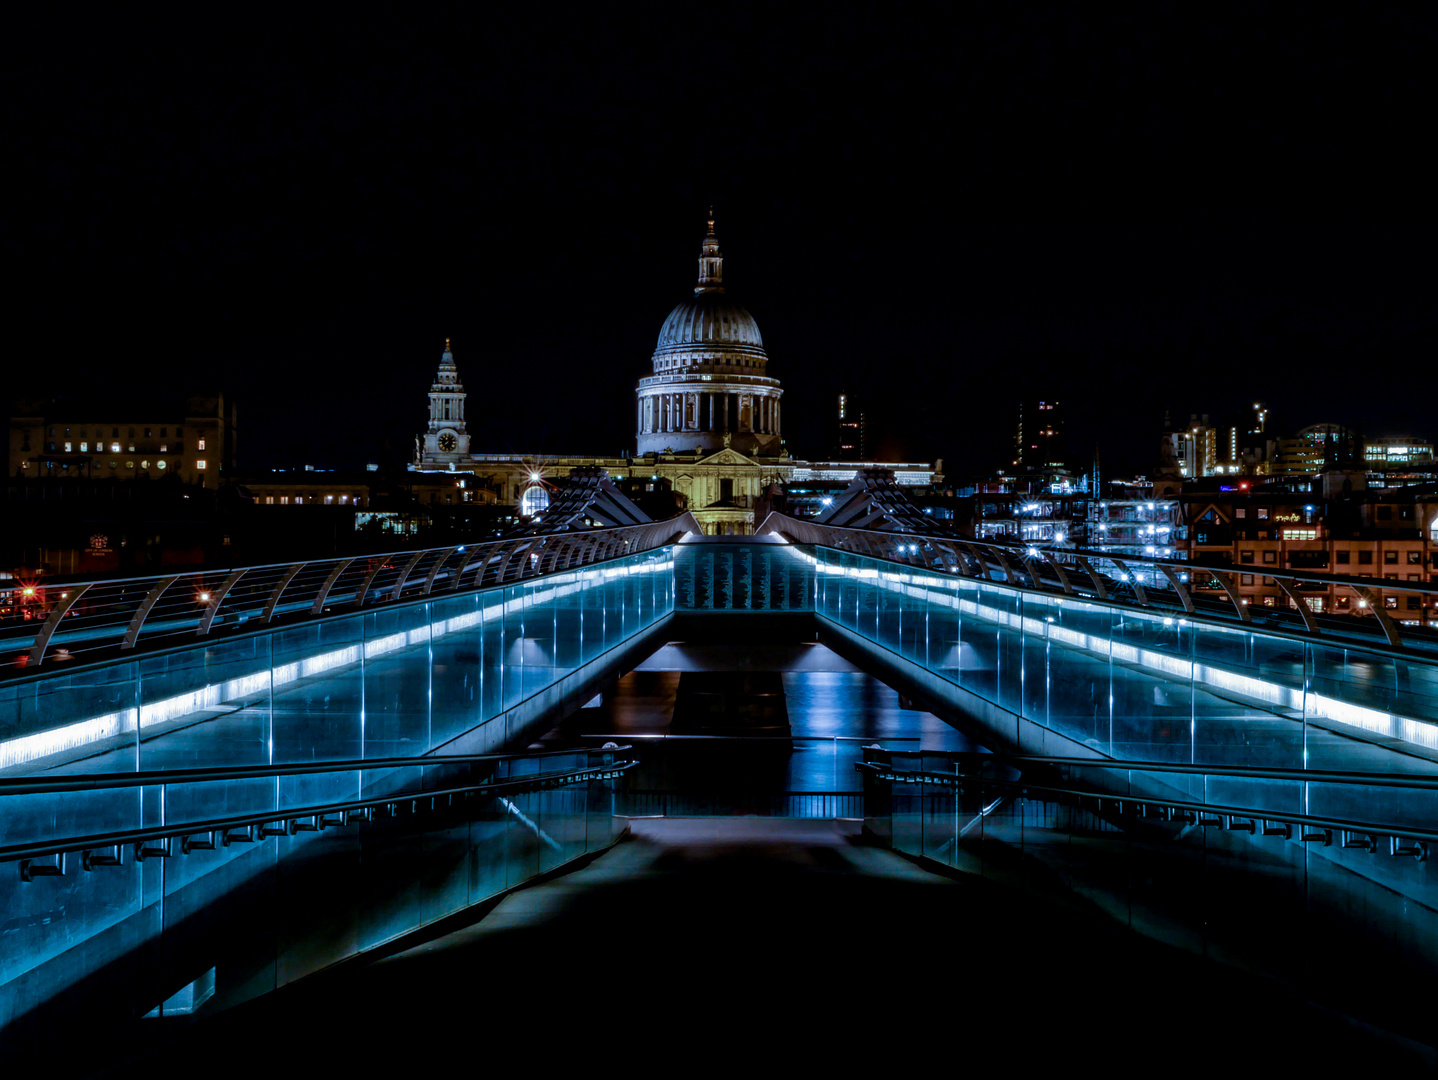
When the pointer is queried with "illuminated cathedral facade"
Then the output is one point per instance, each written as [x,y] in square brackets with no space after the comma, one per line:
[708,419]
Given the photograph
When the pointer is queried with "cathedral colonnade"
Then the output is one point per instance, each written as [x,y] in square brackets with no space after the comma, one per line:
[751,409]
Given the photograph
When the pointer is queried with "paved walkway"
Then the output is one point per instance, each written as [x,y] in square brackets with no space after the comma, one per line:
[759,946]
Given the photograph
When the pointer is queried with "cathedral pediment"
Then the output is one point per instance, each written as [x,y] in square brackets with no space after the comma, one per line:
[726,457]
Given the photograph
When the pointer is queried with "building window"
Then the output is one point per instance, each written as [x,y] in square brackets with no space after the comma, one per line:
[269,500]
[199,444]
[84,448]
[164,448]
[299,499]
[534,499]
[1270,556]
[1390,601]
[1341,603]
[114,448]
[284,500]
[1263,513]
[329,498]
[1390,557]
[114,433]
[67,447]
[1245,556]
[164,433]
[1342,557]
[200,464]
[1385,513]
[129,464]
[1365,558]
[145,464]
[1245,579]
[161,464]
[1415,558]
[1268,601]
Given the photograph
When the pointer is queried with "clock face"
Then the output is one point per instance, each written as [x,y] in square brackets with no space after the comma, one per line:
[447,443]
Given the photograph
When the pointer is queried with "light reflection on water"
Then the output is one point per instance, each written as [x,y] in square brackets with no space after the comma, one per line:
[834,711]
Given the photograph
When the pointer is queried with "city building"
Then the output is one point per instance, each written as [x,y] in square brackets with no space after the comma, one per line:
[1039,435]
[849,430]
[1135,526]
[1384,535]
[708,422]
[100,441]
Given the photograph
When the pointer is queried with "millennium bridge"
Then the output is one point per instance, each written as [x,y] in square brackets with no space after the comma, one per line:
[222,787]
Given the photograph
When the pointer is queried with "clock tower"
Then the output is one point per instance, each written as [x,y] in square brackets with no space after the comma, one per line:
[445,442]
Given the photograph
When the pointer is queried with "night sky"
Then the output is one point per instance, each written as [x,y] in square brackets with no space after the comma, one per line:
[1187,208]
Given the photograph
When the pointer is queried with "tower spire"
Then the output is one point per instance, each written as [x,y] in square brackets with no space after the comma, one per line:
[711,263]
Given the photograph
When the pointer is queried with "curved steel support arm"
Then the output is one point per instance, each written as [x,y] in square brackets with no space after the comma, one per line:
[1061,573]
[1178,587]
[433,571]
[274,599]
[319,605]
[216,598]
[1098,585]
[463,566]
[1375,603]
[1299,602]
[1225,582]
[132,632]
[404,574]
[363,590]
[1028,564]
[47,629]
[1132,578]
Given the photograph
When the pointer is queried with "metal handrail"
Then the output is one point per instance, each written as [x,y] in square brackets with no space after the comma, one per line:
[1421,781]
[26,853]
[104,615]
[1044,570]
[1223,815]
[29,785]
